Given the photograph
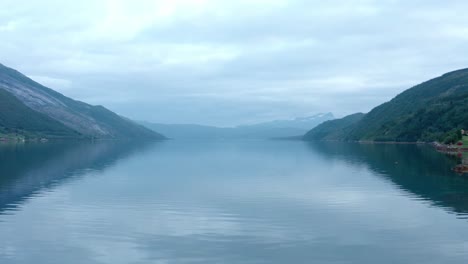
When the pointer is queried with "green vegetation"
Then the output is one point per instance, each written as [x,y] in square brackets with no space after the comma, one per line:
[465,141]
[451,137]
[334,129]
[432,111]
[29,109]
[18,121]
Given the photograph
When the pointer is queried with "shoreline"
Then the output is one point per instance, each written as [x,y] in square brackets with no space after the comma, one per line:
[449,148]
[437,145]
[375,142]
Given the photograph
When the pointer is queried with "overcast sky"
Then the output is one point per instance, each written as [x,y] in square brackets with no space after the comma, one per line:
[233,62]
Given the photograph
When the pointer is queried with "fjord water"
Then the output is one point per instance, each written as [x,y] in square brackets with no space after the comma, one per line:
[230,202]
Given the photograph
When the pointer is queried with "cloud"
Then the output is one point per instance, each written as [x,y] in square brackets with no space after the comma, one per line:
[58,84]
[276,58]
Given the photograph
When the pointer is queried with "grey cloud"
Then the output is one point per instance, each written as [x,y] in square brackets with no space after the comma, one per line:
[233,62]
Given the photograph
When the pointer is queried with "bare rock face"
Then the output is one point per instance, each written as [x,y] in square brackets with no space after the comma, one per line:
[39,100]
[88,120]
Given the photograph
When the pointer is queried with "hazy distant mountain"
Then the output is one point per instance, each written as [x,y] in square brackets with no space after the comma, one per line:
[188,131]
[31,109]
[273,129]
[297,123]
[432,111]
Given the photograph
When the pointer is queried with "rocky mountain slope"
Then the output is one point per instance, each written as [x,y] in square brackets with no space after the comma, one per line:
[70,117]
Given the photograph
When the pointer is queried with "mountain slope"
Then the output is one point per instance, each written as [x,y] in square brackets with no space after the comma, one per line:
[427,112]
[281,128]
[334,129]
[87,120]
[17,118]
[273,129]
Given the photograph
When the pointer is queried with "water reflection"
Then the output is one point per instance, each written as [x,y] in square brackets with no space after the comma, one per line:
[415,168]
[29,169]
[462,168]
[230,202]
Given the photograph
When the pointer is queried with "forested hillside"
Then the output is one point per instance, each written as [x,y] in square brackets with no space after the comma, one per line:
[432,111]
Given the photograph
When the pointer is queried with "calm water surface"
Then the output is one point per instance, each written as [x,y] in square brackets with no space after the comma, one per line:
[230,202]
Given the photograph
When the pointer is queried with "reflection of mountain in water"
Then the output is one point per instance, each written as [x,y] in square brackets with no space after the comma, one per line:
[417,169]
[30,168]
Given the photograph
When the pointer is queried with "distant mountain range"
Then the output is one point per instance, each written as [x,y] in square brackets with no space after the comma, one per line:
[30,109]
[273,129]
[435,110]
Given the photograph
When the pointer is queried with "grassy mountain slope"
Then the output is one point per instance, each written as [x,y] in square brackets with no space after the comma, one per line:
[334,129]
[17,118]
[427,112]
[88,120]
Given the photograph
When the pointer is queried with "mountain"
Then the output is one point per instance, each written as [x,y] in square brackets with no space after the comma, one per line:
[431,111]
[29,108]
[188,131]
[272,129]
[335,129]
[297,123]
[15,117]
